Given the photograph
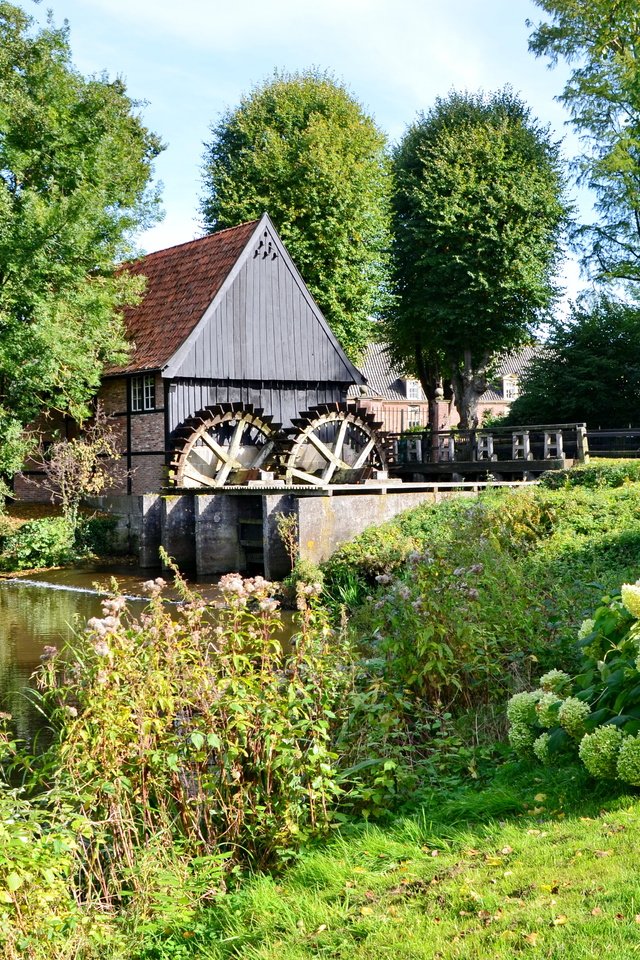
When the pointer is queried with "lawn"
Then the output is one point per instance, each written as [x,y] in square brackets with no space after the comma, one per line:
[538,864]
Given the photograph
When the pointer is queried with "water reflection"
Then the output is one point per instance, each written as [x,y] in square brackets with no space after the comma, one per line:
[49,611]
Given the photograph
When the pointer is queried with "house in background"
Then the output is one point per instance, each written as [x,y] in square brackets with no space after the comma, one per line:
[399,403]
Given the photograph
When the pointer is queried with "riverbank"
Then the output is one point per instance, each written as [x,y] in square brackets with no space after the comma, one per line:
[395,716]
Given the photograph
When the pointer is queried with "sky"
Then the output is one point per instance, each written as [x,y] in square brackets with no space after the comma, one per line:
[191,60]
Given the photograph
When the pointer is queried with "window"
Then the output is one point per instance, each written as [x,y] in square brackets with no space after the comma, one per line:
[510,390]
[413,390]
[143,392]
[413,417]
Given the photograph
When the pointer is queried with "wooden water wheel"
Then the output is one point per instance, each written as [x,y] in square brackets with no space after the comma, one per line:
[223,444]
[331,443]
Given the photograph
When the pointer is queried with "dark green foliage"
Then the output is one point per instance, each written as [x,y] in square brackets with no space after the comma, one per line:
[303,149]
[75,164]
[598,38]
[47,542]
[477,212]
[54,542]
[589,370]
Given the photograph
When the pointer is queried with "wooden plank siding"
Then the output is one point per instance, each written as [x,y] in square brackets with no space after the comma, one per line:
[283,401]
[264,326]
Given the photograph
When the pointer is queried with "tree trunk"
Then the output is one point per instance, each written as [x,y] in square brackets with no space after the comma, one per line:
[430,378]
[469,383]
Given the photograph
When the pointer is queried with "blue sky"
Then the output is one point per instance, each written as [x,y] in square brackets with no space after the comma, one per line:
[192,59]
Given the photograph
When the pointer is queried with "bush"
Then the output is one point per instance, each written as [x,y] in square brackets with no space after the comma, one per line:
[48,542]
[600,710]
[597,474]
[172,729]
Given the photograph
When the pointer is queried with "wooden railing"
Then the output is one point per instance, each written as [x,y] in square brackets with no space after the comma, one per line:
[527,443]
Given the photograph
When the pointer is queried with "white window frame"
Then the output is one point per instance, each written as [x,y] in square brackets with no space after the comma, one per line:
[414,418]
[412,388]
[510,388]
[143,392]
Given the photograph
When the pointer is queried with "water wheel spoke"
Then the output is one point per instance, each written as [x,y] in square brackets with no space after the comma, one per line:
[339,444]
[236,440]
[264,454]
[306,477]
[221,453]
[323,449]
[362,459]
[190,472]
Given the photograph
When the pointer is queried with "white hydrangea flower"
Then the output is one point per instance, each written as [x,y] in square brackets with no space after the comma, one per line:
[521,708]
[555,681]
[521,738]
[541,748]
[586,627]
[572,714]
[547,709]
[599,751]
[628,767]
[630,593]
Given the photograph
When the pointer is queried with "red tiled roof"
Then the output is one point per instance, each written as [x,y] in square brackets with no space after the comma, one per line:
[181,283]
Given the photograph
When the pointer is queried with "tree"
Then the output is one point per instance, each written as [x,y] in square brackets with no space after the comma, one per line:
[477,212]
[589,370]
[75,167]
[84,466]
[599,38]
[301,148]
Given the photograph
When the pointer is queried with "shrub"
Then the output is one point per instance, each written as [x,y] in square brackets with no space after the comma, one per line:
[600,473]
[603,711]
[47,542]
[171,729]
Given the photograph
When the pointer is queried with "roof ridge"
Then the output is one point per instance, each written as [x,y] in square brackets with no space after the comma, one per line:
[186,243]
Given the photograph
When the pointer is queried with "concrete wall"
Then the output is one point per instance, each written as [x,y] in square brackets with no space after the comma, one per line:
[217,544]
[326,522]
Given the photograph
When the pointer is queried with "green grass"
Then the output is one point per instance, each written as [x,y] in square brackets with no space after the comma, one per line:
[538,865]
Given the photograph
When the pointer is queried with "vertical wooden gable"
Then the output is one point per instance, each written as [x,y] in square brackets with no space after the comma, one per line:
[263,325]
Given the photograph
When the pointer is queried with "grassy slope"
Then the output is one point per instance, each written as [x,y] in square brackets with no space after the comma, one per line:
[537,864]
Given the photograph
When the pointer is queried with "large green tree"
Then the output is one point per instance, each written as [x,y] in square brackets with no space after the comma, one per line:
[600,39]
[75,168]
[589,369]
[477,216]
[300,147]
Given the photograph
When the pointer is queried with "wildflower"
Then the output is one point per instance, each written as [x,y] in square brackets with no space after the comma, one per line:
[473,594]
[476,568]
[555,681]
[102,677]
[72,712]
[628,767]
[232,583]
[572,714]
[459,572]
[630,593]
[414,556]
[417,604]
[599,750]
[101,647]
[48,653]
[383,578]
[268,605]
[404,592]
